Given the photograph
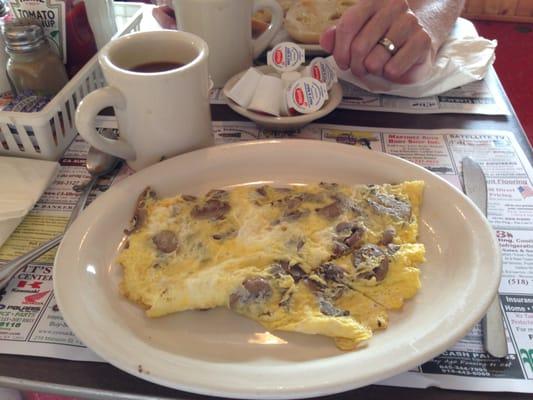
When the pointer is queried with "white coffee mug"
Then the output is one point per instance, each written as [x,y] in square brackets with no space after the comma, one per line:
[159,114]
[226,26]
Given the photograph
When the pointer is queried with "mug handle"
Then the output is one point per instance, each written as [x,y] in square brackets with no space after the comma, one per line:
[261,43]
[86,114]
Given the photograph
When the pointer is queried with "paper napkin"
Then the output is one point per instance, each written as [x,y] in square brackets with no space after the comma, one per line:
[22,182]
[464,58]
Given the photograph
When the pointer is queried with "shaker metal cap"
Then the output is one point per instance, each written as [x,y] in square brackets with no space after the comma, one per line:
[23,36]
[3,9]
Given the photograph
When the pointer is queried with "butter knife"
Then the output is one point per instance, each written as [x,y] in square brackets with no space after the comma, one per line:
[475,185]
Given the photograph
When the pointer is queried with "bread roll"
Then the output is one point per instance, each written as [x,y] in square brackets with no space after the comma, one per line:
[307,19]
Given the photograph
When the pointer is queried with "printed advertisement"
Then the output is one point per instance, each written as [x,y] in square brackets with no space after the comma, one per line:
[31,323]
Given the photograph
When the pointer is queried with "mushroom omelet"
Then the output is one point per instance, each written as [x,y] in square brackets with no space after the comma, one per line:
[324,259]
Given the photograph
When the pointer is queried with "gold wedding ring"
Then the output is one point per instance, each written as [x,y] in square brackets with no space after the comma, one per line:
[388,44]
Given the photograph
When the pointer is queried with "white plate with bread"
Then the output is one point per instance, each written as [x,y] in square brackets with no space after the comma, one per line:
[305,20]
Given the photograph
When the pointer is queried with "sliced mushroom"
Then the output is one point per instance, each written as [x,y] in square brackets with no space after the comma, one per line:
[216,194]
[212,209]
[353,241]
[366,253]
[140,215]
[166,241]
[381,271]
[339,249]
[313,197]
[341,198]
[283,268]
[252,290]
[296,272]
[293,215]
[356,209]
[315,283]
[293,202]
[262,191]
[286,298]
[279,268]
[331,211]
[331,272]
[225,235]
[188,197]
[258,287]
[392,248]
[352,234]
[335,291]
[388,236]
[390,205]
[372,254]
[344,227]
[289,202]
[329,309]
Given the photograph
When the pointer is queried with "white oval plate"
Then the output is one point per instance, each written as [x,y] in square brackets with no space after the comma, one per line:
[289,122]
[220,353]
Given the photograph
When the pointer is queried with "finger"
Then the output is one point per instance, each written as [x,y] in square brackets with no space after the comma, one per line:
[415,51]
[417,72]
[369,36]
[327,40]
[165,16]
[399,32]
[349,25]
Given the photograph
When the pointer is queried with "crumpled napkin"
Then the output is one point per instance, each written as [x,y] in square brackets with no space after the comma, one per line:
[22,182]
[465,57]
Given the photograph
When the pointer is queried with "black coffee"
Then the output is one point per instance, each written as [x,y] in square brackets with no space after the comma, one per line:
[157,66]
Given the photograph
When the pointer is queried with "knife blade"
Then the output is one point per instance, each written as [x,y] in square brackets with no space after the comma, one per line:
[475,187]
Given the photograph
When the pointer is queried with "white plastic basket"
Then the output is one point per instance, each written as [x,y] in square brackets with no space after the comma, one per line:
[46,134]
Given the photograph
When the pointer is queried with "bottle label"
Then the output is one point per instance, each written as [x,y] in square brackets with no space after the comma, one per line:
[50,14]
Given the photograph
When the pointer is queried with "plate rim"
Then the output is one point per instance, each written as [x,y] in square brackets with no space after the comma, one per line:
[307,391]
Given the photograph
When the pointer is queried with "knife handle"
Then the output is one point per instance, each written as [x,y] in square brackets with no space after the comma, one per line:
[494,339]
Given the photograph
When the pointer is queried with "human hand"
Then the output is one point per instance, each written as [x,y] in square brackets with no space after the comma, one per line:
[164,14]
[354,41]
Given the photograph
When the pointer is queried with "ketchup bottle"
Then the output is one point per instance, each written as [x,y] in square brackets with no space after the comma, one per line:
[81,45]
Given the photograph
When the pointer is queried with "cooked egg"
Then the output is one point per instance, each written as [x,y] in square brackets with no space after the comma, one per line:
[325,259]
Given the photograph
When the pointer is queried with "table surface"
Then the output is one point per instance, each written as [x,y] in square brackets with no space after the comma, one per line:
[103,381]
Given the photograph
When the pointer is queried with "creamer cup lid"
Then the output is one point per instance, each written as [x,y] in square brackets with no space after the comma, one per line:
[307,95]
[320,69]
[286,57]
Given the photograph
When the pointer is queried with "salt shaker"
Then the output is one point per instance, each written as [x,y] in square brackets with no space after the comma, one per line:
[76,29]
[32,65]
